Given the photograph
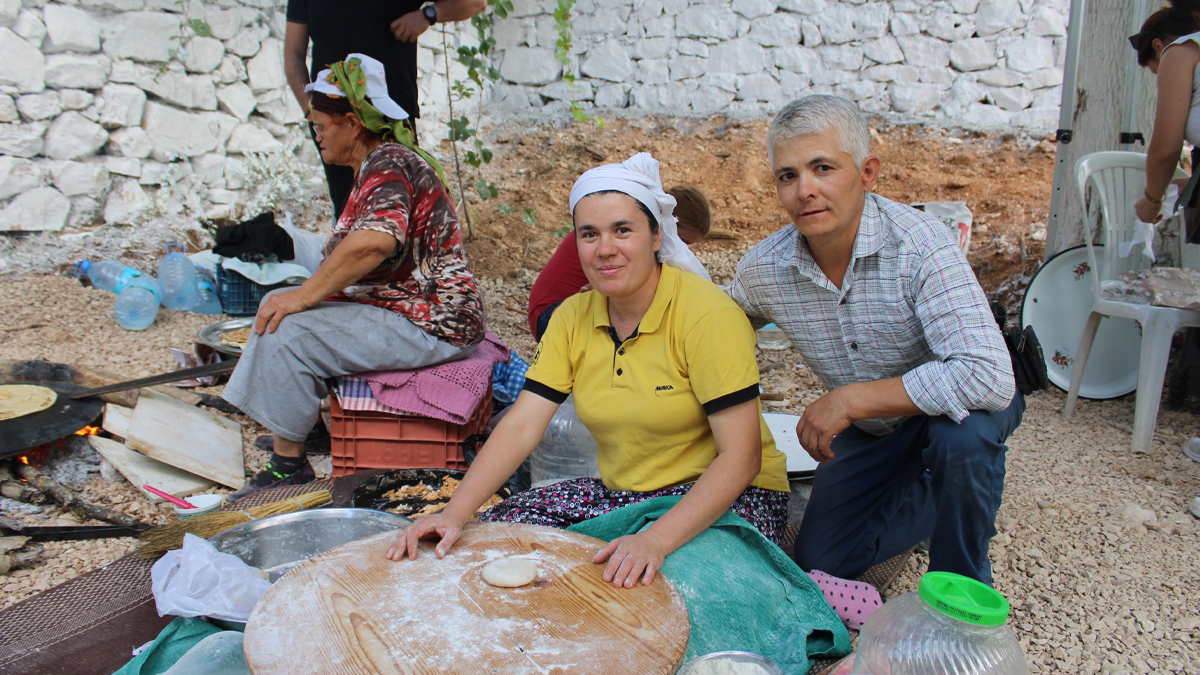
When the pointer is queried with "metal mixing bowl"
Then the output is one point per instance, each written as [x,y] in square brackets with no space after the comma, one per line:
[276,544]
[732,657]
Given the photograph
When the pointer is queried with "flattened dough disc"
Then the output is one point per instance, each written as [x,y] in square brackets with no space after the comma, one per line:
[19,400]
[510,572]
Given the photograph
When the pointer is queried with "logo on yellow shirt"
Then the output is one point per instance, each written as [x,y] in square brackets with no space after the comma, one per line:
[664,387]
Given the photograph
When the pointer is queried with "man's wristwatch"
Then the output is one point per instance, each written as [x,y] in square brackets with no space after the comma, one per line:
[430,12]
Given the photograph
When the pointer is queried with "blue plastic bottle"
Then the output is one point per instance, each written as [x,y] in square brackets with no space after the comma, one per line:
[137,305]
[209,302]
[177,280]
[137,293]
[107,275]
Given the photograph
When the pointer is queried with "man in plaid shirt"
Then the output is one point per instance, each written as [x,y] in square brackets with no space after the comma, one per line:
[886,311]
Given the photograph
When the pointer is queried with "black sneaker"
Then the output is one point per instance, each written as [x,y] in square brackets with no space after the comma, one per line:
[273,476]
[316,443]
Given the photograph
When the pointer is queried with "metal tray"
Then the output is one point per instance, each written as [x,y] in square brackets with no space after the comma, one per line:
[211,335]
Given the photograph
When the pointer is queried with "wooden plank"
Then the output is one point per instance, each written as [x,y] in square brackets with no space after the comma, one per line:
[141,470]
[186,437]
[176,393]
[116,419]
[352,611]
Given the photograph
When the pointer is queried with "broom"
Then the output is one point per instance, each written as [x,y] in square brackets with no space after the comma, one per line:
[159,540]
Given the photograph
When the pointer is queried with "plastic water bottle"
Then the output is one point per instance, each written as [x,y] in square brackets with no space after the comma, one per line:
[209,302]
[567,449]
[137,305]
[217,654]
[952,625]
[771,336]
[177,278]
[107,275]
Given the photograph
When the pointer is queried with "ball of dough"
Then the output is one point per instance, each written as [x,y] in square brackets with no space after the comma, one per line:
[510,572]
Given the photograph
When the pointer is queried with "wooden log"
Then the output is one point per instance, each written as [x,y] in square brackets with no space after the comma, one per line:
[71,500]
[22,492]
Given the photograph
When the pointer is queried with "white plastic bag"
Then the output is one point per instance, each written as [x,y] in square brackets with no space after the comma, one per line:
[199,580]
[955,215]
[307,245]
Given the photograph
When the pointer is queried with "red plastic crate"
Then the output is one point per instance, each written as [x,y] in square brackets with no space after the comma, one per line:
[365,439]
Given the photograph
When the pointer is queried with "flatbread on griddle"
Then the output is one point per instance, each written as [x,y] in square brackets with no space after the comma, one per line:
[18,400]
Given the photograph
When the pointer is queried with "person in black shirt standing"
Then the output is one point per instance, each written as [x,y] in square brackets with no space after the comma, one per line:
[386,30]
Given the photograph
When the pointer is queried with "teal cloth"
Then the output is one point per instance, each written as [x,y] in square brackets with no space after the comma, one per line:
[742,592]
[171,644]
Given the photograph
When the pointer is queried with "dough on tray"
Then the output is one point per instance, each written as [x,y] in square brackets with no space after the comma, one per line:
[510,572]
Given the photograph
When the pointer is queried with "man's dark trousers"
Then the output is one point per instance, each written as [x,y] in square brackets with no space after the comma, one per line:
[881,495]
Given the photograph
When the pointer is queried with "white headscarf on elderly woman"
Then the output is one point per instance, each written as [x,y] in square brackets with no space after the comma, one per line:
[638,178]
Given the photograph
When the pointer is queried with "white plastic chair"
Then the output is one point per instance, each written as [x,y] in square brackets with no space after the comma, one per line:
[1120,181]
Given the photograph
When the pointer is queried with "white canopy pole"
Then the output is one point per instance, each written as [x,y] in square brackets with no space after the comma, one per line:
[1133,81]
[1066,125]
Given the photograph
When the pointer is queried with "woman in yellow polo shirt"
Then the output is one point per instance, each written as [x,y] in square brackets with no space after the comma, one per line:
[662,366]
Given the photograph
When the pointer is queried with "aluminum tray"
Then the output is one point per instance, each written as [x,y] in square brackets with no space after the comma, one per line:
[211,335]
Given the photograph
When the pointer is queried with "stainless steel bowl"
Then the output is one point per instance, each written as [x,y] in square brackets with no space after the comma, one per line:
[211,334]
[276,544]
[732,657]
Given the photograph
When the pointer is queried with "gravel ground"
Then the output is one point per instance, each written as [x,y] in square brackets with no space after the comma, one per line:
[1096,551]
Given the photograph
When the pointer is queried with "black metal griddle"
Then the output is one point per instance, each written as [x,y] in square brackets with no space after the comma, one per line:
[62,419]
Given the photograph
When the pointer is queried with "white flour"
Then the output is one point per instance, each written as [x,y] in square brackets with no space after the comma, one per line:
[727,667]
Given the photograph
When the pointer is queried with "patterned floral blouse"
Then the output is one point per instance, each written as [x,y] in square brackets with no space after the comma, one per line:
[428,279]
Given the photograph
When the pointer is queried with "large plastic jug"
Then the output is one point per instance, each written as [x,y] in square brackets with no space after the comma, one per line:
[177,279]
[209,303]
[137,305]
[217,654]
[107,275]
[952,625]
[567,449]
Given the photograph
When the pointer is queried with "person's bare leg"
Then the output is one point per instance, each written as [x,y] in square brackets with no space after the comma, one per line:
[286,448]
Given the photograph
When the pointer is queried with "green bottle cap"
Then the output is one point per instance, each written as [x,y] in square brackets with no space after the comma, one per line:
[963,598]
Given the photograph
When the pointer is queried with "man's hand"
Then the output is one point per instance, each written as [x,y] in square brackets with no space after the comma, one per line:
[410,26]
[630,557]
[276,306]
[1147,211]
[823,420]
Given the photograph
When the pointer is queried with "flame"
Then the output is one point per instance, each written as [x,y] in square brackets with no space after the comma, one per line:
[87,431]
[24,459]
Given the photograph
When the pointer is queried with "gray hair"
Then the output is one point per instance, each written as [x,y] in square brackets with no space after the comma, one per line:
[819,113]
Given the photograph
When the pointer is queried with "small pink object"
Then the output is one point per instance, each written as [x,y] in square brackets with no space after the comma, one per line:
[853,601]
[169,497]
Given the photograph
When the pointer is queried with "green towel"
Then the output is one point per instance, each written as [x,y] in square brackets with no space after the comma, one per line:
[171,644]
[742,592]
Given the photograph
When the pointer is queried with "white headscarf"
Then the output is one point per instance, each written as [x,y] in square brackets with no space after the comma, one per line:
[638,178]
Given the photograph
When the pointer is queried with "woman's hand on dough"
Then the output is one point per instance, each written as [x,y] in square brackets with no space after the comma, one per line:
[276,306]
[441,525]
[630,557]
[1147,211]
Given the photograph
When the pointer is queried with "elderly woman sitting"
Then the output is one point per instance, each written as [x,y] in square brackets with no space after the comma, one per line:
[661,363]
[393,292]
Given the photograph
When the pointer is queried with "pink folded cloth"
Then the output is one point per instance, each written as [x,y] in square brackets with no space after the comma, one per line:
[854,601]
[450,392]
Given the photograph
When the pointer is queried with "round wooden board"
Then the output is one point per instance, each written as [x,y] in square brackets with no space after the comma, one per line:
[350,610]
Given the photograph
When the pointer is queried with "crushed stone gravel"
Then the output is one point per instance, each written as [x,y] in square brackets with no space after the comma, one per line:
[1096,550]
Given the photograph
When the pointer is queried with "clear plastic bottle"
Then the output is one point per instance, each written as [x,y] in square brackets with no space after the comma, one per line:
[209,302]
[107,275]
[177,279]
[1192,449]
[952,625]
[137,305]
[771,336]
[218,654]
[567,449]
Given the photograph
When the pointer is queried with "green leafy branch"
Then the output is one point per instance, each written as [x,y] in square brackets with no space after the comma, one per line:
[562,50]
[188,29]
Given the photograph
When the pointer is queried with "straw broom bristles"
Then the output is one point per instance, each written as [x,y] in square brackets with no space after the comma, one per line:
[159,540]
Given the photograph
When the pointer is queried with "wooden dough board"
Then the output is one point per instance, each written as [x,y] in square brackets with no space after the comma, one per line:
[350,610]
[186,437]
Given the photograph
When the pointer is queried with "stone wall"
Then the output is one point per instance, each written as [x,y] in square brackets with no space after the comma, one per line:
[112,111]
[990,63]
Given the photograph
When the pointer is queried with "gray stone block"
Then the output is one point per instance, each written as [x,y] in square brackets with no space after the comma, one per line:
[70,29]
[141,36]
[72,135]
[22,66]
[973,54]
[18,175]
[530,65]
[39,209]
[77,70]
